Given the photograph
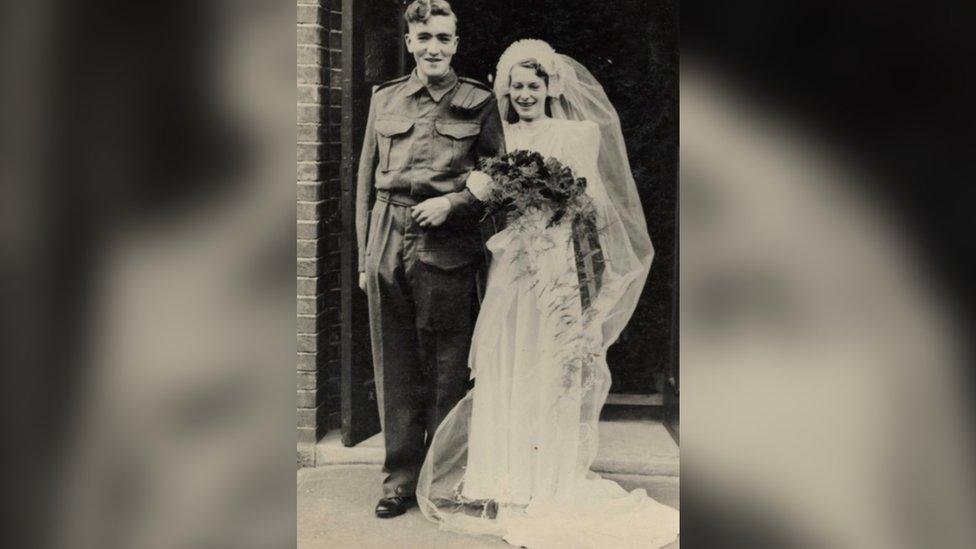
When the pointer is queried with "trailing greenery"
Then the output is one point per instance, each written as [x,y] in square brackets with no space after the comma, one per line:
[535,194]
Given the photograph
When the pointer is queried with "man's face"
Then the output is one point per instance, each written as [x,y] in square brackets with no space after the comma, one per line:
[433,45]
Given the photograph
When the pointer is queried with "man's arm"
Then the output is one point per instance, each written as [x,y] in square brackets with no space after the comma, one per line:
[490,143]
[364,184]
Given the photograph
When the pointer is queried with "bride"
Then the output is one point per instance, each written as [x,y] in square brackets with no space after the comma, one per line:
[513,458]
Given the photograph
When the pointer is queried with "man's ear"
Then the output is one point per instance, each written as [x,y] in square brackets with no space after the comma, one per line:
[406,40]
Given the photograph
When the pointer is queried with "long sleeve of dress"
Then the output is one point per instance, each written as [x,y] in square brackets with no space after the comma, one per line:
[589,152]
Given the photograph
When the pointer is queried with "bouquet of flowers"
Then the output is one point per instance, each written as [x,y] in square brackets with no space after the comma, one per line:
[525,182]
[529,189]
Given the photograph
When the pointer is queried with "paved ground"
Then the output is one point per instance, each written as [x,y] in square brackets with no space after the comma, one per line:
[335,511]
[336,499]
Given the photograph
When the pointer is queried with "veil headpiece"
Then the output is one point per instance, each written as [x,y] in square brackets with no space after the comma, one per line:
[575,94]
[558,70]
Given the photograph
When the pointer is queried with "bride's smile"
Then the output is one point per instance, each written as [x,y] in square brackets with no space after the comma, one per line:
[528,91]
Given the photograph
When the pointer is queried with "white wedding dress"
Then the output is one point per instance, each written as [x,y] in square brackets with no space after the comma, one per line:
[512,459]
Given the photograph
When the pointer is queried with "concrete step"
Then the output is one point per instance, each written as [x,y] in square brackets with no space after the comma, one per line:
[626,399]
[665,489]
[628,446]
[636,447]
[330,451]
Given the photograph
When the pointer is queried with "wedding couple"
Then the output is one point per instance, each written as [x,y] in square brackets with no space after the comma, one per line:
[511,457]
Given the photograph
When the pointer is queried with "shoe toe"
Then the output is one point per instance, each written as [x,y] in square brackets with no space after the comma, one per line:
[391,507]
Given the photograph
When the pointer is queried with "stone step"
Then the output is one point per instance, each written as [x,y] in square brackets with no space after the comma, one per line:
[626,399]
[665,489]
[628,446]
[330,451]
[636,447]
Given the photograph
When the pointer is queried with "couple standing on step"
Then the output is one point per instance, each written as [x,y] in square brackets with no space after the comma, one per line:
[510,457]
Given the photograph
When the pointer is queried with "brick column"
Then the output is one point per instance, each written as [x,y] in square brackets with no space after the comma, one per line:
[318,197]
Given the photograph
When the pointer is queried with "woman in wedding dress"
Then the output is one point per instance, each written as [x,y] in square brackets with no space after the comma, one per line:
[513,458]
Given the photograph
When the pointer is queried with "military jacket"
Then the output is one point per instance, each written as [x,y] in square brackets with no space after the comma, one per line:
[425,140]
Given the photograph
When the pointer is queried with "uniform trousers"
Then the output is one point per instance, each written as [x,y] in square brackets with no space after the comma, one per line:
[422,292]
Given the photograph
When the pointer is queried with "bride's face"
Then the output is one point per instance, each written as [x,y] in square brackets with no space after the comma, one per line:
[527,92]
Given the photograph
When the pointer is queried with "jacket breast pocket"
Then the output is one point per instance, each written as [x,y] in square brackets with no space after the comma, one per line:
[455,140]
[394,143]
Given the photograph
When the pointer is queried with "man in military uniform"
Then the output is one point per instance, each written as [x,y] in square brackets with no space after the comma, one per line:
[420,249]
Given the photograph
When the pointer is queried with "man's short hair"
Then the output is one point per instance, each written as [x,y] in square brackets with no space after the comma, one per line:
[420,11]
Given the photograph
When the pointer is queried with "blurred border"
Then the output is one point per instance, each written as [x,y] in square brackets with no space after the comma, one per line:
[827,388]
[148,273]
[148,280]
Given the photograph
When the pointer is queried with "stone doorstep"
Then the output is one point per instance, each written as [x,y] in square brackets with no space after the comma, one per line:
[330,451]
[627,447]
[624,399]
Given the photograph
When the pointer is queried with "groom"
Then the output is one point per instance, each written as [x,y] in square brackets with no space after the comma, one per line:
[420,248]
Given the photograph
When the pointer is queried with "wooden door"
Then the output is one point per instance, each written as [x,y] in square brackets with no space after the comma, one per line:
[372,53]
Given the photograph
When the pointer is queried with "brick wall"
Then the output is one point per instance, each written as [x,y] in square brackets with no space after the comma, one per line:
[318,196]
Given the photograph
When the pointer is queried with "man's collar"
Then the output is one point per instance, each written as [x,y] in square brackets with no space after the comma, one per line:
[437,90]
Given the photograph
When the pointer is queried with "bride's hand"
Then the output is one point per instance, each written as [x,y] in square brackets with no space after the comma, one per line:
[432,212]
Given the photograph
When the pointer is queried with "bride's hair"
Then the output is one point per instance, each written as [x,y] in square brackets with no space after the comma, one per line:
[537,67]
[540,71]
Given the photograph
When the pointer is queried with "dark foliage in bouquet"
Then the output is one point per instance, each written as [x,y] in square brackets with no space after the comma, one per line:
[525,181]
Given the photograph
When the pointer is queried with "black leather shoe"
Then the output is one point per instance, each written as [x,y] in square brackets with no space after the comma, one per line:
[394,506]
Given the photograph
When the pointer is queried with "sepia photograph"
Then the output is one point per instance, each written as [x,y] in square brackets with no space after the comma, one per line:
[487,274]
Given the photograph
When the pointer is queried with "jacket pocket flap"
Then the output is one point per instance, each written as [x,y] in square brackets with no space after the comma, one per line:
[458,130]
[448,259]
[389,128]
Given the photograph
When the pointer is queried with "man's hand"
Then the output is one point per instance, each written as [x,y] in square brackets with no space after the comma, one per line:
[362,281]
[432,212]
